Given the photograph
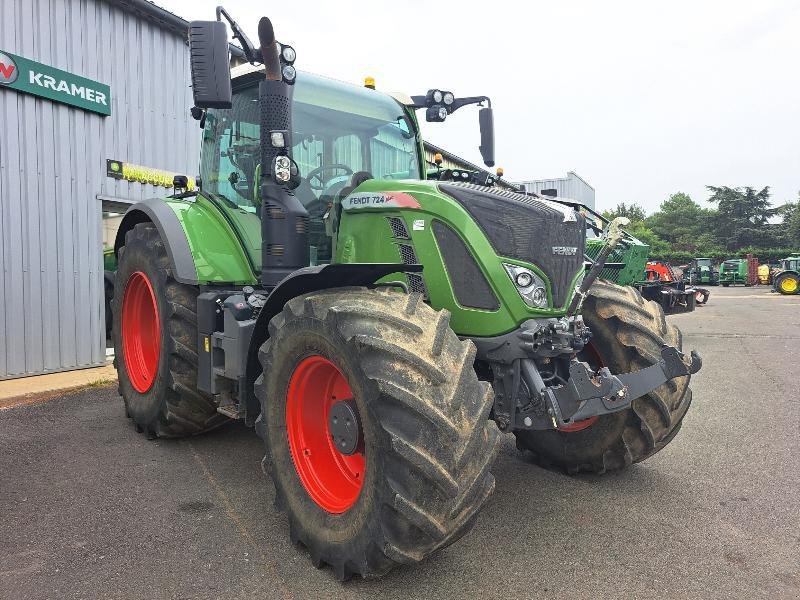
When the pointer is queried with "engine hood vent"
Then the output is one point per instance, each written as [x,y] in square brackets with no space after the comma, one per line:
[547,234]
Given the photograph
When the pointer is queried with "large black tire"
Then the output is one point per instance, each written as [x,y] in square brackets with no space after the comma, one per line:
[628,333]
[427,438]
[173,406]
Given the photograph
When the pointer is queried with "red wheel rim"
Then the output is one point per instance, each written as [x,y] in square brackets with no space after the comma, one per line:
[141,332]
[585,423]
[332,479]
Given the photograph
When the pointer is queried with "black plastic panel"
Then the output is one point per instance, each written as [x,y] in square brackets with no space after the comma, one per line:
[466,278]
[525,228]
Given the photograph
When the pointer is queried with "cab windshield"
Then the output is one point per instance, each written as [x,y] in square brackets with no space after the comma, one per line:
[337,130]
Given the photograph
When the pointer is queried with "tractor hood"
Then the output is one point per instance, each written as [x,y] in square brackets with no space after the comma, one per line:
[547,234]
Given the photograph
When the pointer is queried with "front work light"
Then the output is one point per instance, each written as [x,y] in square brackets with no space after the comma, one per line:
[436,113]
[448,98]
[277,139]
[288,54]
[289,73]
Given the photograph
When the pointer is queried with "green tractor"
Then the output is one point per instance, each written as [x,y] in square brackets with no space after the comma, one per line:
[733,272]
[377,329]
[702,271]
[787,279]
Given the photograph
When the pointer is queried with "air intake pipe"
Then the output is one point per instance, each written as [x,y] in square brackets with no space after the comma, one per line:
[284,220]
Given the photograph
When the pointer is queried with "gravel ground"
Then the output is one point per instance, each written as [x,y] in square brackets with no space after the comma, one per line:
[93,510]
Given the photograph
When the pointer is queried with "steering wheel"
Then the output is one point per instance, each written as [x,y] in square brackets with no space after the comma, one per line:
[317,174]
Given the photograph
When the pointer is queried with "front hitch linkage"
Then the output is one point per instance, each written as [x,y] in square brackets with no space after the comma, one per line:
[588,394]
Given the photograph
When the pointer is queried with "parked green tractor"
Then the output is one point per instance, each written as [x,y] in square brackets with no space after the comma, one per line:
[701,271]
[628,265]
[733,272]
[787,279]
[379,330]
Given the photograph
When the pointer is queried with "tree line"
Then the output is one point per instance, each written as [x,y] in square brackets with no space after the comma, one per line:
[742,221]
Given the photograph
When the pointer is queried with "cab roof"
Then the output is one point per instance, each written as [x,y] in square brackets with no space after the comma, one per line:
[242,71]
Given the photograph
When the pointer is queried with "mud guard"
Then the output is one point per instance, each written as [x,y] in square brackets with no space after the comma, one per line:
[169,228]
[303,281]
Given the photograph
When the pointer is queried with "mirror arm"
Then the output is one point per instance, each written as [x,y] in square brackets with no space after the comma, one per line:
[459,102]
[250,52]
[422,102]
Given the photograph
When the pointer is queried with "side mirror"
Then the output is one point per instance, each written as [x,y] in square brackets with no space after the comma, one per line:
[210,63]
[486,122]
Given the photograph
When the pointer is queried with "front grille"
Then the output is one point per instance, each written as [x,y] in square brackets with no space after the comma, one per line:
[526,228]
[466,278]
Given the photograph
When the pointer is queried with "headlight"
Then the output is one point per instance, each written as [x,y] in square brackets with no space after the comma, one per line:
[448,98]
[442,113]
[524,279]
[529,285]
[437,96]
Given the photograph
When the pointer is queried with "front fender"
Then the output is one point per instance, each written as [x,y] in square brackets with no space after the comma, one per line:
[304,281]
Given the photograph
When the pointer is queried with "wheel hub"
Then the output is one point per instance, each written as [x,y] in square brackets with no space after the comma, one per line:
[324,434]
[141,332]
[344,427]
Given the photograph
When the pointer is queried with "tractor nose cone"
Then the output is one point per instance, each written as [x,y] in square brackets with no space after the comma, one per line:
[344,426]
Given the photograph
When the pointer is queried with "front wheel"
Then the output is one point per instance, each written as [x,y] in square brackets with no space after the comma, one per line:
[628,332]
[377,432]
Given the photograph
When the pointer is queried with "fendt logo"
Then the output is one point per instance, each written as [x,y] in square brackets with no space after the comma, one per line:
[8,70]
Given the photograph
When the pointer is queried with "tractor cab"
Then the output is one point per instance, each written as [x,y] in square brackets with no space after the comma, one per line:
[791,264]
[341,136]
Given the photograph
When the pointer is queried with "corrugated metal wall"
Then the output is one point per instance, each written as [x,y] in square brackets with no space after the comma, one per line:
[52,168]
[571,186]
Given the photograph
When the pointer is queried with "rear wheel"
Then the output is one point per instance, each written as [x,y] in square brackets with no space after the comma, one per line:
[377,431]
[628,333]
[155,342]
[788,284]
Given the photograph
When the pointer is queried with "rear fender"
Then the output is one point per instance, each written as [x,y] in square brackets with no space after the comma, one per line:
[202,246]
[158,212]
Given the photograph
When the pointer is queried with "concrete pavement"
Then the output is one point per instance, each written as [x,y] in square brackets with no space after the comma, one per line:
[93,510]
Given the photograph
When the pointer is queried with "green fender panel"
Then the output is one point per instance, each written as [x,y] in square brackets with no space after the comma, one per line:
[201,242]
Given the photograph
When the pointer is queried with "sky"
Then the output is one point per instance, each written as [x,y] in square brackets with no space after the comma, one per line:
[642,99]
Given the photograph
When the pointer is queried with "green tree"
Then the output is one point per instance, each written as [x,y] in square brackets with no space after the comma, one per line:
[658,247]
[680,221]
[742,217]
[790,227]
[634,212]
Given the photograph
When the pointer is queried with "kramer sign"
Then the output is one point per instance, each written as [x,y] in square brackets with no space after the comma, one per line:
[30,77]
